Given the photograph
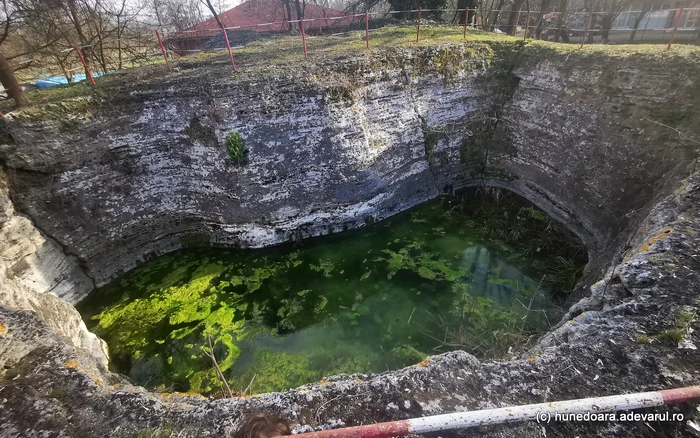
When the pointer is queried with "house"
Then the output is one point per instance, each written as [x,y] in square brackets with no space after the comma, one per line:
[649,21]
[660,15]
[249,18]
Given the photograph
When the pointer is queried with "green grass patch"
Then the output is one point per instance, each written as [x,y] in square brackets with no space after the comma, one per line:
[673,336]
[61,92]
[676,334]
[160,432]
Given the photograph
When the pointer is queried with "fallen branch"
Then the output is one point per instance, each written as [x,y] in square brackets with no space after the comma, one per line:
[410,317]
[245,391]
[219,374]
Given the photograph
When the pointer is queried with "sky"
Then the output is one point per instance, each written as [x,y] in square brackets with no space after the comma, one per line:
[226,4]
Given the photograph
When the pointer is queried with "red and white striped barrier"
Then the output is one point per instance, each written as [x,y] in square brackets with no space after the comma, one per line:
[541,412]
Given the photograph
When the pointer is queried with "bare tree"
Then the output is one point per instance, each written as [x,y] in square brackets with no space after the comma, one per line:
[7,73]
[542,8]
[300,6]
[211,8]
[177,15]
[494,14]
[41,35]
[609,9]
[70,8]
[560,21]
[512,25]
[462,18]
[10,82]
[121,26]
[646,8]
[118,18]
[287,5]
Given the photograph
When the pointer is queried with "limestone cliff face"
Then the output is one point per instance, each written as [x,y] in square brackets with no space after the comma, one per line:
[147,171]
[580,135]
[34,272]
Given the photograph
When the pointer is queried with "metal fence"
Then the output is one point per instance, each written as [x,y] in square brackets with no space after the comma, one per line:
[666,26]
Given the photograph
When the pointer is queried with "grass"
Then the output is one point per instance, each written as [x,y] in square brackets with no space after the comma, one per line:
[285,53]
[432,137]
[676,334]
[289,49]
[160,432]
[673,336]
[644,339]
[60,93]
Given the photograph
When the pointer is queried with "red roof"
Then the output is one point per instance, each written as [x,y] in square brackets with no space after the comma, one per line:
[253,13]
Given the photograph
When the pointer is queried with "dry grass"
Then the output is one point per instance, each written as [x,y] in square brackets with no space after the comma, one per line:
[286,53]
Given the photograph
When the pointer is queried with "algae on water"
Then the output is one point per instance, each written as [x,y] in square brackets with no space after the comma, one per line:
[456,272]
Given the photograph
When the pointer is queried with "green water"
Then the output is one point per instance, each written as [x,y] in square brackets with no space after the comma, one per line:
[453,273]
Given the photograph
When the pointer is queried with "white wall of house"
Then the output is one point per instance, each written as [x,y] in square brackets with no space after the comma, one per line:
[661,17]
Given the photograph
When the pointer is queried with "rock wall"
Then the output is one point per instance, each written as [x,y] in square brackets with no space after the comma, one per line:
[145,170]
[615,341]
[581,135]
[34,272]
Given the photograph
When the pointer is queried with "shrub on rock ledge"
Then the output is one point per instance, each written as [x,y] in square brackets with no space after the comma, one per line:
[236,148]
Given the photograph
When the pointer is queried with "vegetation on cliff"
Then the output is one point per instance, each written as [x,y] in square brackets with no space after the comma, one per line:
[236,148]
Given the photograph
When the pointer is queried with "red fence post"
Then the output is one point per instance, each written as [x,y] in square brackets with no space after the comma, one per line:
[420,9]
[162,50]
[367,28]
[303,36]
[675,28]
[466,20]
[87,69]
[228,47]
[585,32]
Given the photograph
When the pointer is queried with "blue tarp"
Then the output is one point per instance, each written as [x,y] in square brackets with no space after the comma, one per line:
[52,81]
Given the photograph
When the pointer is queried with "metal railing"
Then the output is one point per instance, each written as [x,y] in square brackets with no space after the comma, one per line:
[525,24]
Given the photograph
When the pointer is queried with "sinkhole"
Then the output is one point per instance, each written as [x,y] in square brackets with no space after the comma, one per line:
[481,270]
